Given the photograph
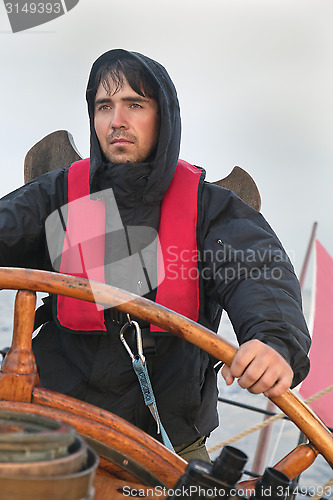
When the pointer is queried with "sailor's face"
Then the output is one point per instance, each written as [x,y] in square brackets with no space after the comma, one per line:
[126,124]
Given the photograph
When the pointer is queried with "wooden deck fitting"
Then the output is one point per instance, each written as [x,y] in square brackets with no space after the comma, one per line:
[19,371]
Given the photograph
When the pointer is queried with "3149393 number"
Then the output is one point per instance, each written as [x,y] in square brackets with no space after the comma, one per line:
[33,8]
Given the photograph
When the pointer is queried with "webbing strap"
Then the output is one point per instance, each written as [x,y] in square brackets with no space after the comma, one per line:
[140,368]
[141,371]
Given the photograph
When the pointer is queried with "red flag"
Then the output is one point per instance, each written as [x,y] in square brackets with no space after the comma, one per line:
[321,351]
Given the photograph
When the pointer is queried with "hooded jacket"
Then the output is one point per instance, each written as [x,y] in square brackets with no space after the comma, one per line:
[243,269]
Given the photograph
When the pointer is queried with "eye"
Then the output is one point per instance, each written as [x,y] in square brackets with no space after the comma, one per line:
[135,105]
[102,107]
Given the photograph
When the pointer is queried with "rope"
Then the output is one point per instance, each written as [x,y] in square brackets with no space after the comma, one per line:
[247,432]
[319,394]
[268,421]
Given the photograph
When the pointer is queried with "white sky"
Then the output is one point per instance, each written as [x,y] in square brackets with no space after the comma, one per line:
[254,79]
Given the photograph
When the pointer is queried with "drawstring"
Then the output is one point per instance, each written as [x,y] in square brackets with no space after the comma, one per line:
[140,368]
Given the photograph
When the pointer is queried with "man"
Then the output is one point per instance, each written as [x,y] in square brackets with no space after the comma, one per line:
[134,180]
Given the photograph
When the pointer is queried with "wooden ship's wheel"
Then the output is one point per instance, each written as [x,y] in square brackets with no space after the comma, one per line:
[128,456]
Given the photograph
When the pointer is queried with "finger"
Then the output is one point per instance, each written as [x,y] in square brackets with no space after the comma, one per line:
[225,372]
[257,377]
[244,357]
[263,383]
[273,382]
[279,388]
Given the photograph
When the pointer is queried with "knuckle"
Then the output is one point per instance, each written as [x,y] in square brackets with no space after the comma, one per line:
[255,389]
[251,377]
[236,370]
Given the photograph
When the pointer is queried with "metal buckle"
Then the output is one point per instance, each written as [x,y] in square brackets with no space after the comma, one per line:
[136,325]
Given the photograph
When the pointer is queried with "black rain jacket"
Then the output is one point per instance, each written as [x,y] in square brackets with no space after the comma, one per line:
[244,270]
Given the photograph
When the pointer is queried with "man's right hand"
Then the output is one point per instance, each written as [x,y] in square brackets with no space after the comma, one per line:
[259,369]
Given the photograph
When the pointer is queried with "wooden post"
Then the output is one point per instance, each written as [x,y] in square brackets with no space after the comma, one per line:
[307,255]
[19,371]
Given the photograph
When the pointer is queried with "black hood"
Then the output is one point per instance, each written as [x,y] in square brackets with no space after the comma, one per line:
[167,153]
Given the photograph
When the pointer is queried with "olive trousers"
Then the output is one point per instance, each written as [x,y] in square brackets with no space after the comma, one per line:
[196,450]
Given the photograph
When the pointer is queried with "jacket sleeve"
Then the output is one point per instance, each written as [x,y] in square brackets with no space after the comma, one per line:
[247,271]
[22,221]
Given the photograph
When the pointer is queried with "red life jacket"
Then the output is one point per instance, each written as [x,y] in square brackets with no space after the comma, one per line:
[84,247]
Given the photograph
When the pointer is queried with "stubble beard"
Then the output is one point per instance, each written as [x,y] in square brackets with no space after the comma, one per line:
[122,155]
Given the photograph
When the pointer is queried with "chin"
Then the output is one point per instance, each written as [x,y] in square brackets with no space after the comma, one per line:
[117,161]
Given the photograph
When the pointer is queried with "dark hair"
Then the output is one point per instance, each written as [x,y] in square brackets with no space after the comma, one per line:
[139,79]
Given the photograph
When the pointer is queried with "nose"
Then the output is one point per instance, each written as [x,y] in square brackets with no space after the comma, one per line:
[118,118]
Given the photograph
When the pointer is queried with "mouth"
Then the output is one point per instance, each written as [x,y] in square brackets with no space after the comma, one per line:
[120,141]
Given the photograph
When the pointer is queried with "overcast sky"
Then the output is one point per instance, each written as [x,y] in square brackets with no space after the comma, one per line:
[254,79]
